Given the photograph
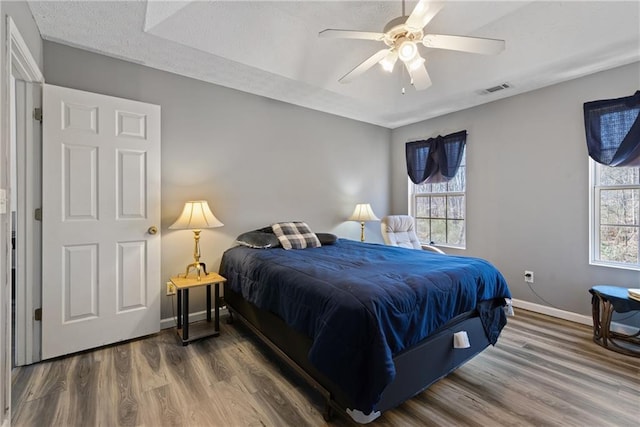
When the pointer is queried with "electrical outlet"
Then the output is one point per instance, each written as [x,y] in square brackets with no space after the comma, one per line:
[171,289]
[528,276]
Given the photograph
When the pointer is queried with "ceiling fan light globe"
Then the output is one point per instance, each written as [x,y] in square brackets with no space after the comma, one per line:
[407,50]
[389,61]
[387,66]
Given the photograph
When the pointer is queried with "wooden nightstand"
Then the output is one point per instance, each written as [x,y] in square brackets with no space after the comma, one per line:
[199,329]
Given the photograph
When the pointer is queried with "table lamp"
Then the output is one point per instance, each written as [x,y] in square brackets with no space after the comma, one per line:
[195,216]
[363,213]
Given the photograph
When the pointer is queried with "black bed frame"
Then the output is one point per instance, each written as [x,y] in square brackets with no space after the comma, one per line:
[416,368]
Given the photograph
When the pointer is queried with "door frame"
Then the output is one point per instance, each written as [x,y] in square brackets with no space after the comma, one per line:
[21,65]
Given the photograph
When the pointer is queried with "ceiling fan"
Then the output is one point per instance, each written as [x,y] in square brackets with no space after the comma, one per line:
[402,36]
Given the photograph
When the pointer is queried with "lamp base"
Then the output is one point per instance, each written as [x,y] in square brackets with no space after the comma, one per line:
[198,266]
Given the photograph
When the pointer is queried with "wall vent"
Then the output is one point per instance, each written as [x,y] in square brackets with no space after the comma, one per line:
[496,88]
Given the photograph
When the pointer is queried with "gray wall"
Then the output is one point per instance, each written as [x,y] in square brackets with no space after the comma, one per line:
[254,159]
[21,15]
[527,193]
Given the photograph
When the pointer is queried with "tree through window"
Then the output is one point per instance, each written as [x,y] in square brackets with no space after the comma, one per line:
[616,215]
[439,210]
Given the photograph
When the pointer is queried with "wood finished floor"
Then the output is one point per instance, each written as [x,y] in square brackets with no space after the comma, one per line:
[543,372]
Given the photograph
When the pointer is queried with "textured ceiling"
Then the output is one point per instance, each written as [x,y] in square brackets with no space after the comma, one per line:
[272,48]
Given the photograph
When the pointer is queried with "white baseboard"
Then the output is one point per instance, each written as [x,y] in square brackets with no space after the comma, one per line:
[6,422]
[569,315]
[170,322]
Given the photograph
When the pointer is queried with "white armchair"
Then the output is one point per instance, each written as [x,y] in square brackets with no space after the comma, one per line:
[400,230]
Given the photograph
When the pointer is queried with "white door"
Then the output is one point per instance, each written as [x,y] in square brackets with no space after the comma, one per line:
[101,201]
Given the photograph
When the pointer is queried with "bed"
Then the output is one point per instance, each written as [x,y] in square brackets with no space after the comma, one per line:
[368,325]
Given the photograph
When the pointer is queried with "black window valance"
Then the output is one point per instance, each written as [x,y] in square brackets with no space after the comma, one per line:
[435,159]
[612,127]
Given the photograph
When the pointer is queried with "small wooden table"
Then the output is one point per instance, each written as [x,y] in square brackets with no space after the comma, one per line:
[200,329]
[604,301]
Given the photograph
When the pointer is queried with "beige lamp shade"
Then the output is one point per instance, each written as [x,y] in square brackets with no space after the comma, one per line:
[196,215]
[363,213]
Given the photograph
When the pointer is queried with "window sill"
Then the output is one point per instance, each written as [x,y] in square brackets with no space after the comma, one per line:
[460,248]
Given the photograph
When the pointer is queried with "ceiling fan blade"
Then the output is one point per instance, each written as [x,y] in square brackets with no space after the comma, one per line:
[351,34]
[423,13]
[419,77]
[464,44]
[364,66]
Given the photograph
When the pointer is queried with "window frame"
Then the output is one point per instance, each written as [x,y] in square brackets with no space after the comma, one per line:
[594,220]
[412,208]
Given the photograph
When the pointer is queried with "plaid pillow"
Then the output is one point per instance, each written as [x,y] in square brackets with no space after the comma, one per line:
[295,235]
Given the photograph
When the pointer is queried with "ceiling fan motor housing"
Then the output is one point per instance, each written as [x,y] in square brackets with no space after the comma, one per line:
[396,29]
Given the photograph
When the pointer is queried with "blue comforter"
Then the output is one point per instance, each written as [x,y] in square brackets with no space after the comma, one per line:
[363,303]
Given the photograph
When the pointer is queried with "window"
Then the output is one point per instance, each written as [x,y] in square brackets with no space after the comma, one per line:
[615,219]
[439,210]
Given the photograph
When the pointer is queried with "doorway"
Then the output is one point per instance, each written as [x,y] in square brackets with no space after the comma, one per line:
[25,198]
[23,178]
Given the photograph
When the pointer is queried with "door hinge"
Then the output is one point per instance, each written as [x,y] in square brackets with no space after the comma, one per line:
[38,214]
[37,315]
[37,114]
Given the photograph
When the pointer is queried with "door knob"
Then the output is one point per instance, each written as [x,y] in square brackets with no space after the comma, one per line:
[152,230]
